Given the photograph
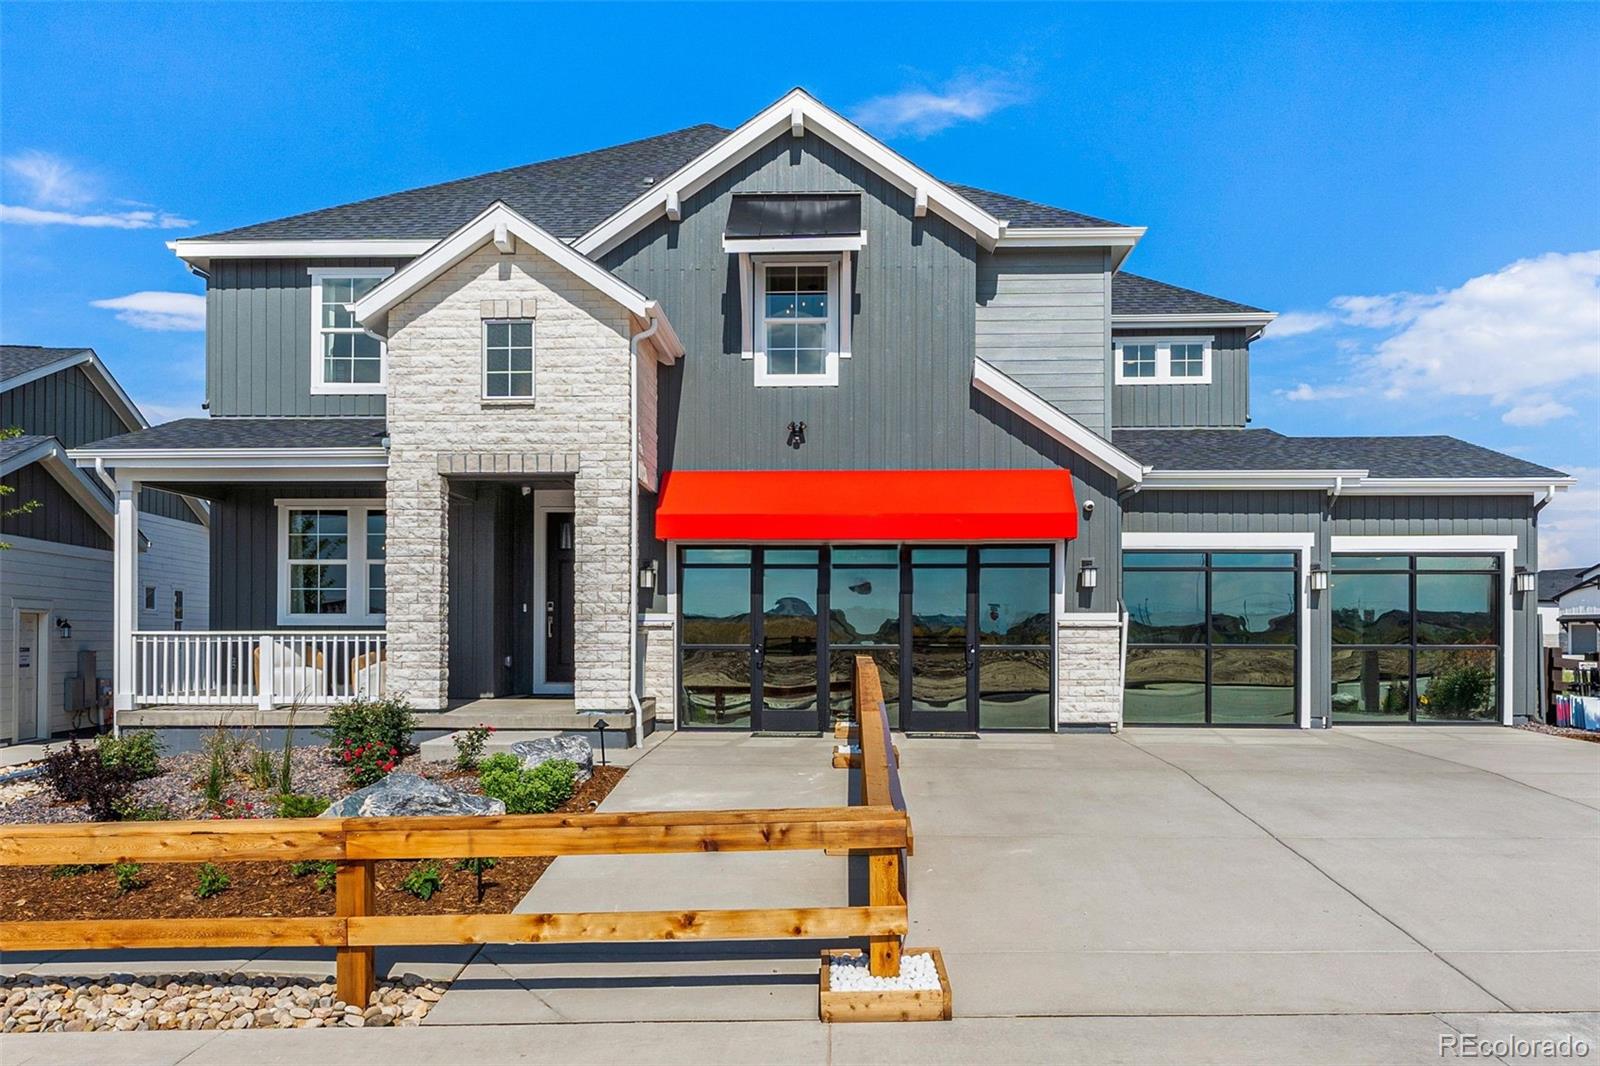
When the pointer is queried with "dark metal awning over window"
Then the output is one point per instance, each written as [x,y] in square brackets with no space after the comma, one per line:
[767,215]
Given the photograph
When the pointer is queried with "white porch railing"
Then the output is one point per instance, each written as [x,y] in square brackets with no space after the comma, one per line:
[314,667]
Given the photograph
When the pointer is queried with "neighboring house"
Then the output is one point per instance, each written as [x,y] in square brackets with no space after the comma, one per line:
[1569,609]
[56,579]
[686,424]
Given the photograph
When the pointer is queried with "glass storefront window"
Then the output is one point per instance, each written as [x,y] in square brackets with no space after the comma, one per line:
[1165,607]
[1165,686]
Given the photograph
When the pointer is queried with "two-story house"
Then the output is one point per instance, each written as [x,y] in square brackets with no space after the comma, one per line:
[675,429]
[56,573]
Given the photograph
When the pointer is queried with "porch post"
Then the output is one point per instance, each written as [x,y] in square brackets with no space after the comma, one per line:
[124,594]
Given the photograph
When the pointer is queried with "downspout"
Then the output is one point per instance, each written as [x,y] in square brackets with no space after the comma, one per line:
[633,527]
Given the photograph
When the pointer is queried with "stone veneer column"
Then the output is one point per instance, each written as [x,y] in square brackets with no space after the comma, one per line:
[659,662]
[1089,671]
[417,578]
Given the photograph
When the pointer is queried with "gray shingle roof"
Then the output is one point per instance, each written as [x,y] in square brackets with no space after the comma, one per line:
[18,445]
[1553,583]
[1019,212]
[1264,449]
[188,433]
[1132,294]
[19,359]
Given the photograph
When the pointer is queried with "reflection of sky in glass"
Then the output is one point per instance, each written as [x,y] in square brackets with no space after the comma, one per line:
[1454,593]
[1166,598]
[865,597]
[1257,598]
[716,593]
[1009,597]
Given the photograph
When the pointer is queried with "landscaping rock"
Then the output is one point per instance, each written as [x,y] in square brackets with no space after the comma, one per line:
[573,749]
[407,795]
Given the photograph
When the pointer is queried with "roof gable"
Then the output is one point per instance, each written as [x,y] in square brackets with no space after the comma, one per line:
[796,113]
[21,364]
[19,452]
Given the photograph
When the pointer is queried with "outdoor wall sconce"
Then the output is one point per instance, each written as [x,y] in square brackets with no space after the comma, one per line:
[797,434]
[647,575]
[1526,580]
[64,628]
[1088,575]
[1318,579]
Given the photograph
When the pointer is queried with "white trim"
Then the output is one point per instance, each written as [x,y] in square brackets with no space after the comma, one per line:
[372,310]
[757,315]
[40,668]
[1163,360]
[483,363]
[198,253]
[124,594]
[1230,318]
[545,503]
[1090,619]
[747,304]
[796,106]
[993,382]
[319,385]
[1120,239]
[51,455]
[1322,480]
[1305,544]
[355,561]
[794,245]
[1422,543]
[1459,486]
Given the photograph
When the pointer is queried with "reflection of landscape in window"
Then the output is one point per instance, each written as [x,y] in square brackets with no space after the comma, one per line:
[1415,637]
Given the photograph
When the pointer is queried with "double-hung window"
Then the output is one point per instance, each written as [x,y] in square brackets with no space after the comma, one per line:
[344,357]
[797,334]
[1163,360]
[508,359]
[331,557]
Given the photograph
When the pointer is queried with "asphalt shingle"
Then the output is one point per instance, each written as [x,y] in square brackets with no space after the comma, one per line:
[227,433]
[1132,294]
[19,359]
[1265,449]
[17,445]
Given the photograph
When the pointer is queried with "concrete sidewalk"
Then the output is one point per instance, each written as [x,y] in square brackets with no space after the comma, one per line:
[1391,1040]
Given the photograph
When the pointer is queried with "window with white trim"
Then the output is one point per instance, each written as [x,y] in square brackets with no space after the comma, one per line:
[331,562]
[508,359]
[345,358]
[1163,360]
[797,322]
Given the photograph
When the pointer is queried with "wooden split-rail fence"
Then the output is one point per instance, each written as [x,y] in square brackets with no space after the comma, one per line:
[878,826]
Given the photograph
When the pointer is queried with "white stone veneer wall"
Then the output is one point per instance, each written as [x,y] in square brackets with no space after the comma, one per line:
[658,658]
[580,406]
[1089,682]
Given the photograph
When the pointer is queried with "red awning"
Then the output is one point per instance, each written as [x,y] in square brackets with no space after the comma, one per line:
[878,505]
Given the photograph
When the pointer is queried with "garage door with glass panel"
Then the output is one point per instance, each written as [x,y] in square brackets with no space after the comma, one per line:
[1416,638]
[1213,638]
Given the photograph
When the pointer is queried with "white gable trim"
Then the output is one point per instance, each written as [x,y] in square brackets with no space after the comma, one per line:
[501,225]
[798,112]
[991,381]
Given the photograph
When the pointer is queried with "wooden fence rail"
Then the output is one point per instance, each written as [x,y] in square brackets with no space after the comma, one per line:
[880,827]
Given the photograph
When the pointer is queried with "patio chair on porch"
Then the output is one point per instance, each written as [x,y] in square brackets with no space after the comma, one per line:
[293,678]
[366,673]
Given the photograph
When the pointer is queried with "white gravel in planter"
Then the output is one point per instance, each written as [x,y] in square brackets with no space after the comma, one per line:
[848,749]
[123,1002]
[850,974]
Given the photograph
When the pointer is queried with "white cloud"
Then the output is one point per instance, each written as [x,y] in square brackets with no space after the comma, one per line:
[163,311]
[59,194]
[49,180]
[1305,392]
[924,112]
[1536,413]
[1569,528]
[159,412]
[1295,323]
[29,216]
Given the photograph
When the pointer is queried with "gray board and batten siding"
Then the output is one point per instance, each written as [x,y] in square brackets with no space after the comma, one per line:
[1313,512]
[59,518]
[258,339]
[904,400]
[67,406]
[1225,402]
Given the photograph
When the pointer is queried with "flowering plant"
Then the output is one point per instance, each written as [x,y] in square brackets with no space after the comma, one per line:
[367,762]
[469,746]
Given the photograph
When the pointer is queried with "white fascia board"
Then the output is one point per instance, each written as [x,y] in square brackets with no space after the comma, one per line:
[241,464]
[1120,239]
[668,345]
[107,385]
[991,381]
[1323,480]
[1242,318]
[797,106]
[1459,486]
[199,253]
[782,245]
[496,218]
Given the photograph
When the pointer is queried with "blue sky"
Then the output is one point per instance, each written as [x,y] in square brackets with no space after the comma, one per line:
[1417,188]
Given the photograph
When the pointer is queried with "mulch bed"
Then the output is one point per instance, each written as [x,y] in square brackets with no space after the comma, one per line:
[266,889]
[1562,731]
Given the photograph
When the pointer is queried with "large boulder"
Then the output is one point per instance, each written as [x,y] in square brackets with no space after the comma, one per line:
[407,795]
[573,749]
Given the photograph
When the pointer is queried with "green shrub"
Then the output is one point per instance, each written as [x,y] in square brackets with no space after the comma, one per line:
[216,778]
[72,869]
[138,752]
[127,875]
[325,870]
[296,805]
[386,723]
[423,880]
[131,811]
[211,881]
[77,774]
[263,770]
[477,867]
[536,791]
[469,746]
[1463,687]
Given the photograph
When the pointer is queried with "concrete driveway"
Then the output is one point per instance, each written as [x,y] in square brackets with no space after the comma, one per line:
[1375,871]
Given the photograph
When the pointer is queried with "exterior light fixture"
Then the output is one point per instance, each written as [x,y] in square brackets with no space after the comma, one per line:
[64,628]
[1318,578]
[1088,575]
[647,575]
[1526,580]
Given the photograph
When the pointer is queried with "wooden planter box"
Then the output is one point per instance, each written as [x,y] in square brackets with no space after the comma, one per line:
[923,1005]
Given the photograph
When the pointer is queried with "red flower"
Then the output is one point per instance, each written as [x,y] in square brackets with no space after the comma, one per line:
[490,728]
[230,801]
[394,751]
[347,756]
[388,766]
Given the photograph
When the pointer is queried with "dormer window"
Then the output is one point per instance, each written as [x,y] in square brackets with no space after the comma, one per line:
[799,333]
[345,358]
[1163,360]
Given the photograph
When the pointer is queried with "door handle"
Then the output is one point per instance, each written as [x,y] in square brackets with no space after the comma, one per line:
[549,618]
[972,657]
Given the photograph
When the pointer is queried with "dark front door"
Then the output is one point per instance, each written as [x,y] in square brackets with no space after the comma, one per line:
[558,599]
[787,641]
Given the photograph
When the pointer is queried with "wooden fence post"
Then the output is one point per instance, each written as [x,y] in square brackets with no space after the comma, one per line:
[884,889]
[353,967]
